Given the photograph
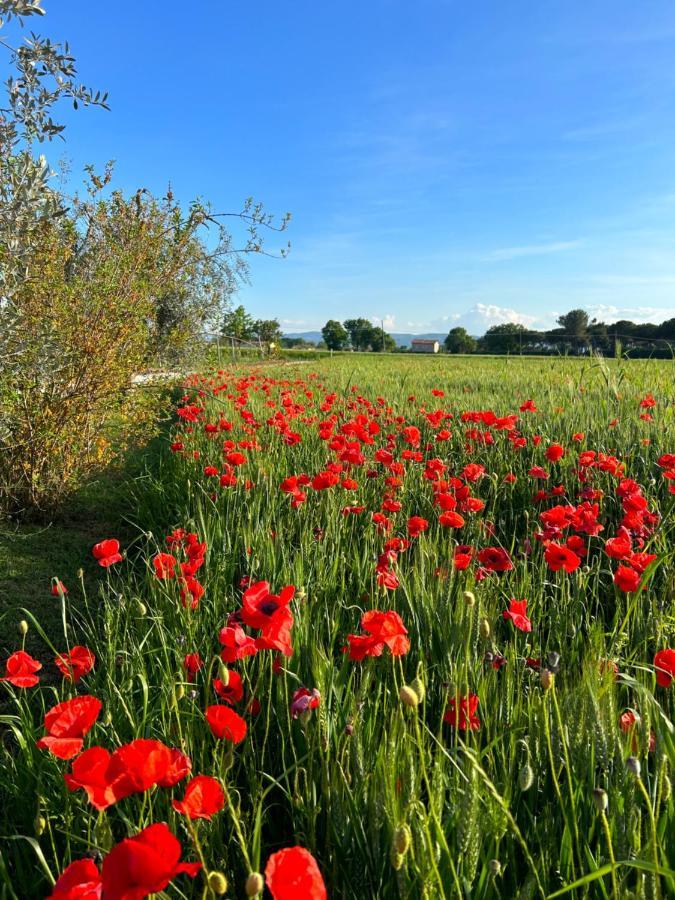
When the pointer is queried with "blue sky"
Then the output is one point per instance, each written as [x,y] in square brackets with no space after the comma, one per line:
[445,162]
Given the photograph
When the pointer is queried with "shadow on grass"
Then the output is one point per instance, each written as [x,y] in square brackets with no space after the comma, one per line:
[32,554]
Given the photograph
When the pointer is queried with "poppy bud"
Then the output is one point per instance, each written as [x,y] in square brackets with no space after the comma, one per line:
[179,692]
[300,594]
[484,629]
[396,859]
[217,882]
[80,574]
[223,673]
[418,686]
[547,679]
[254,884]
[495,867]
[526,777]
[141,608]
[633,766]
[349,729]
[600,799]
[402,839]
[408,696]
[23,627]
[469,598]
[40,824]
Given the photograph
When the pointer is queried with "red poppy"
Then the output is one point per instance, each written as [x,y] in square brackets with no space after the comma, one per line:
[362,645]
[576,544]
[472,472]
[560,557]
[233,691]
[495,559]
[259,605]
[517,612]
[664,663]
[164,565]
[627,720]
[554,452]
[387,628]
[417,525]
[626,579]
[293,874]
[384,628]
[81,880]
[276,634]
[66,725]
[21,669]
[144,864]
[133,768]
[78,662]
[177,767]
[467,718]
[58,588]
[461,559]
[640,561]
[236,643]
[193,663]
[146,762]
[107,552]
[225,724]
[203,798]
[192,587]
[90,771]
[451,519]
[324,480]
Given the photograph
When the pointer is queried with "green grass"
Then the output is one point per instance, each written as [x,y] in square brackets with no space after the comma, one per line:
[343,782]
[32,554]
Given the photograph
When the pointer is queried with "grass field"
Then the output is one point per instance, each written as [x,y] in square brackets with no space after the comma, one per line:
[320,609]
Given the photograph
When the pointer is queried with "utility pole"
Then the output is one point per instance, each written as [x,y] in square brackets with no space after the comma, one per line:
[382,320]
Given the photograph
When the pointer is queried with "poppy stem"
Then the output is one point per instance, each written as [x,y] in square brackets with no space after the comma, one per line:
[652,826]
[237,828]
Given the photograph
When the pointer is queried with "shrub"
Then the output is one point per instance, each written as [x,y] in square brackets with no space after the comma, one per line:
[87,316]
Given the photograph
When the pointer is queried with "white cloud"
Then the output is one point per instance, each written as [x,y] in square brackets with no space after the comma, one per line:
[482,316]
[638,314]
[504,254]
[389,321]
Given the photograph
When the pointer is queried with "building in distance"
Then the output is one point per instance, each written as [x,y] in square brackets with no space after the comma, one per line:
[424,345]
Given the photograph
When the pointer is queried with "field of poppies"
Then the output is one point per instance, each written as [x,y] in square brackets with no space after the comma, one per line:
[391,628]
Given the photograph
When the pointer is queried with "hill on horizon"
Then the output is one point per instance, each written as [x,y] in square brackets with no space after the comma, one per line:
[403,339]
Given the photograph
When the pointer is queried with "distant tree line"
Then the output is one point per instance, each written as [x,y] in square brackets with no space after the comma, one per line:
[357,334]
[576,335]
